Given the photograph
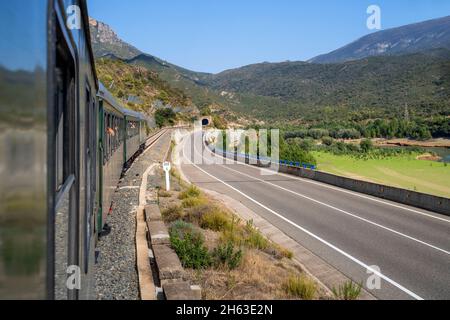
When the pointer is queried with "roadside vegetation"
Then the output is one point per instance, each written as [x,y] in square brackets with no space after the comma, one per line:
[411,168]
[418,129]
[228,257]
[347,291]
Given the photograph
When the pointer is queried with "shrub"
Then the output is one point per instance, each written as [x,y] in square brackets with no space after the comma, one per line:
[235,232]
[192,202]
[328,141]
[348,291]
[300,287]
[307,144]
[254,238]
[164,194]
[179,228]
[172,213]
[215,220]
[188,243]
[195,214]
[227,255]
[366,145]
[191,192]
[164,116]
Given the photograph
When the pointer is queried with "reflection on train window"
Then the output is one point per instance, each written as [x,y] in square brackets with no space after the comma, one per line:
[59,141]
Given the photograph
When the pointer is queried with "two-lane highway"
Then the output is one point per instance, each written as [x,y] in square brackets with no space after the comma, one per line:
[352,232]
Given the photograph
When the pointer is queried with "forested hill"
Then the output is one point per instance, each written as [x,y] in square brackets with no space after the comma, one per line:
[302,92]
[380,86]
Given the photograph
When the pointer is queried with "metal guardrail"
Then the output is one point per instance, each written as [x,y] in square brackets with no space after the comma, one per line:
[412,198]
[259,158]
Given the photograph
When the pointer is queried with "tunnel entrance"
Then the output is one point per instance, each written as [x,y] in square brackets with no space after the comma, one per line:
[205,122]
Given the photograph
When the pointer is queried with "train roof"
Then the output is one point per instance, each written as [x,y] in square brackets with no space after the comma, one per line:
[106,95]
[134,114]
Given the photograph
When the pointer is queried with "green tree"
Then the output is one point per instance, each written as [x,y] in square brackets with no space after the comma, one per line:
[366,145]
[165,117]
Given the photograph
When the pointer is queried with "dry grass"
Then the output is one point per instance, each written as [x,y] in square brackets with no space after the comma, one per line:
[193,202]
[259,277]
[172,213]
[164,194]
[265,268]
[300,287]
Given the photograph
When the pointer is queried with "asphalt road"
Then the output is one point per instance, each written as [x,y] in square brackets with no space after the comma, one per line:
[351,231]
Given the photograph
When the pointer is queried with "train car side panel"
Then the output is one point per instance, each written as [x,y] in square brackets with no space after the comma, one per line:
[23,150]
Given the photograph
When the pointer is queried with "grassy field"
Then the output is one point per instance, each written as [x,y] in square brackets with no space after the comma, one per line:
[402,171]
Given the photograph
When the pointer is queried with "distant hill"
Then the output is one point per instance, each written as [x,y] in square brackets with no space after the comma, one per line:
[432,34]
[368,88]
[378,85]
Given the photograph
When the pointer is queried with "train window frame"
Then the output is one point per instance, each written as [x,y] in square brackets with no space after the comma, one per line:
[62,143]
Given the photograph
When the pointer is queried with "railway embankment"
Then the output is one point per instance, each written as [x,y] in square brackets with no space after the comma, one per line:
[116,276]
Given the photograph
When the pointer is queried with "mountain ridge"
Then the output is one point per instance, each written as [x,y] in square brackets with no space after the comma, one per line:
[373,86]
[412,38]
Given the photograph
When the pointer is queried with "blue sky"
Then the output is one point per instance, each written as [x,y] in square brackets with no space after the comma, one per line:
[215,35]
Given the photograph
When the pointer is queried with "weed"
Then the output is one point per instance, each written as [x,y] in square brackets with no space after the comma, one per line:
[300,287]
[227,255]
[215,220]
[172,213]
[193,202]
[254,238]
[164,194]
[348,291]
[180,228]
[188,243]
[278,252]
[191,192]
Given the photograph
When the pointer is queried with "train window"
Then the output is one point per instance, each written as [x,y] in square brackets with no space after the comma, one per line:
[115,134]
[109,135]
[59,141]
[65,165]
[64,139]
[105,137]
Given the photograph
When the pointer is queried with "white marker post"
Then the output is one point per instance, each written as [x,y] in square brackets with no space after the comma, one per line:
[167,167]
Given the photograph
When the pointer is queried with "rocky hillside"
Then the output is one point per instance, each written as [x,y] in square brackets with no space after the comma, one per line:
[175,85]
[105,41]
[140,89]
[432,34]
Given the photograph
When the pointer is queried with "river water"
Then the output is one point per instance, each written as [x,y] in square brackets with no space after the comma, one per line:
[444,153]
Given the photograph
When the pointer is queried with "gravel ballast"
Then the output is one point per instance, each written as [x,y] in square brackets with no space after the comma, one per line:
[116,276]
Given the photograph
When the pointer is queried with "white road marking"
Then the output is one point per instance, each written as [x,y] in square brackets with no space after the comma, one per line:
[341,190]
[362,264]
[337,209]
[343,211]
